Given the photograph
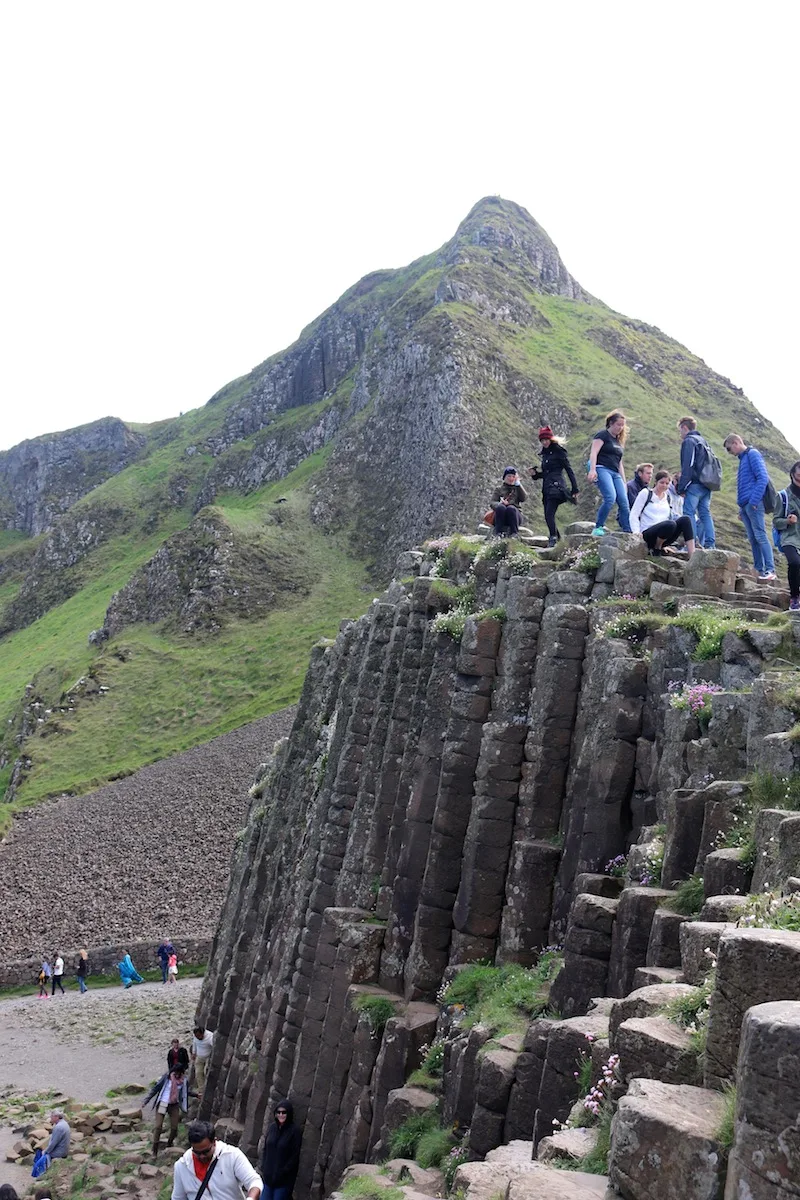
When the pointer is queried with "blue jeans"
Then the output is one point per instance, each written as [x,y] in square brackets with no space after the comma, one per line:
[164,965]
[756,530]
[276,1193]
[612,488]
[82,984]
[697,505]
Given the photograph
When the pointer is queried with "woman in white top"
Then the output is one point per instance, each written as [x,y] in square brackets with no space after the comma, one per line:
[653,517]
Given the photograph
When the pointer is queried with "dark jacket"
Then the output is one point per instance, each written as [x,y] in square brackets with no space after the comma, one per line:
[515,492]
[179,1056]
[790,534]
[635,485]
[164,951]
[752,480]
[281,1158]
[554,463]
[82,967]
[690,462]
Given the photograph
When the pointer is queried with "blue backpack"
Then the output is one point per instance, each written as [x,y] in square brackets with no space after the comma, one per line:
[783,496]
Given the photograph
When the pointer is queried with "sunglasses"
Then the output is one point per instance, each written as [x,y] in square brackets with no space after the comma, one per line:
[281,1112]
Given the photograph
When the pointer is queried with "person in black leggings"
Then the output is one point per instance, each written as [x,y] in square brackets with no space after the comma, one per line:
[788,527]
[58,974]
[506,502]
[653,518]
[551,472]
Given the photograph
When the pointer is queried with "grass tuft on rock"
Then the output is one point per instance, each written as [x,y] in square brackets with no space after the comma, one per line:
[404,1140]
[689,897]
[506,998]
[376,1009]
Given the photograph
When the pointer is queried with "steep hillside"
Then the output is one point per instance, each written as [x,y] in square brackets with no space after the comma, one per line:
[234,536]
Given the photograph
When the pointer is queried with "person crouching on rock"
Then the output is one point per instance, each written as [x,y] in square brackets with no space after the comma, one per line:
[281,1158]
[506,503]
[551,472]
[172,1097]
[653,518]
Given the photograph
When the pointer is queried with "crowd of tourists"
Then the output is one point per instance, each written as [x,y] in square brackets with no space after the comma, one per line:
[663,507]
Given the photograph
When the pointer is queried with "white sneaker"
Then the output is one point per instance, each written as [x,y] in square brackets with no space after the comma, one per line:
[767,577]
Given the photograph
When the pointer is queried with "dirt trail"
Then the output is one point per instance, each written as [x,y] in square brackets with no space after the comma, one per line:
[84,1045]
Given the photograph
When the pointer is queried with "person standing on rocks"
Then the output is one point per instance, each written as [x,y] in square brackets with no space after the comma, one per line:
[163,952]
[696,496]
[58,1146]
[58,974]
[172,1098]
[786,521]
[751,487]
[280,1160]
[202,1045]
[209,1160]
[605,469]
[554,491]
[506,503]
[82,970]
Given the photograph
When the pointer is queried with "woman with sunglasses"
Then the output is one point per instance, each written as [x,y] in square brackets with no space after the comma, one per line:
[281,1157]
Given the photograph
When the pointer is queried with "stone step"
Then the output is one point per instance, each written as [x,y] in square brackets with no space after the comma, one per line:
[664,1143]
[550,1184]
[569,1145]
[656,1048]
[649,976]
[643,1002]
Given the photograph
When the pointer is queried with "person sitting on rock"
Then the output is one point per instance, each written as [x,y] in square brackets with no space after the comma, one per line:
[58,1146]
[171,1095]
[506,502]
[554,490]
[280,1160]
[653,518]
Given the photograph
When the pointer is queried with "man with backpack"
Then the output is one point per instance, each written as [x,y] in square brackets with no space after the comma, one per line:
[701,474]
[786,523]
[752,489]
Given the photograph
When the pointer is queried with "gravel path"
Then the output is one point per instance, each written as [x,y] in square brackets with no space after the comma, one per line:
[147,855]
[85,1045]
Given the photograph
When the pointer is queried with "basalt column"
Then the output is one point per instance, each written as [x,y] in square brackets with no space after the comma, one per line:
[551,718]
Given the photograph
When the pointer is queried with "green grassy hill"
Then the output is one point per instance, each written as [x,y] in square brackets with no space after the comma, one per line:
[286,497]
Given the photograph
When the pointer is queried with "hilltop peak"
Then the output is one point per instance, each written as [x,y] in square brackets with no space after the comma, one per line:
[501,226]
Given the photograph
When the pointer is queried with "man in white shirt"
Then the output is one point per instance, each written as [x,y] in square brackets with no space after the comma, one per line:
[202,1045]
[58,973]
[225,1167]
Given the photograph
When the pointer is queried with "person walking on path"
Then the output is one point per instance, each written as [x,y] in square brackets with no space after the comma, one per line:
[171,1094]
[751,486]
[58,975]
[605,469]
[172,968]
[786,522]
[44,977]
[82,970]
[202,1045]
[58,1146]
[641,479]
[281,1156]
[163,952]
[652,516]
[208,1160]
[506,503]
[554,491]
[177,1055]
[696,496]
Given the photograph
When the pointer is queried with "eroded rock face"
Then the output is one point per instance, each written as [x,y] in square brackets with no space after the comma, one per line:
[40,479]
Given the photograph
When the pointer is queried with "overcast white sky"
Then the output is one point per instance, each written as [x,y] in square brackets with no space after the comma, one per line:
[188,184]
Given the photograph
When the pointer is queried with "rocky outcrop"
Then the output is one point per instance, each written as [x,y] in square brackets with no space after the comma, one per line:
[42,478]
[453,790]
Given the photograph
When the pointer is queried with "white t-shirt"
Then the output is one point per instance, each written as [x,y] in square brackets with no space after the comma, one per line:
[58,969]
[202,1046]
[644,513]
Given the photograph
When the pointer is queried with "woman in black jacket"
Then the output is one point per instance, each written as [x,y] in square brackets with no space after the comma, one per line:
[281,1157]
[554,490]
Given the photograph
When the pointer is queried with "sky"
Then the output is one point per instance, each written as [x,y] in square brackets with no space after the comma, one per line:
[187,185]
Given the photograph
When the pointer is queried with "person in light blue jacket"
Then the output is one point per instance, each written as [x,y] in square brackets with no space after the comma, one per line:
[751,485]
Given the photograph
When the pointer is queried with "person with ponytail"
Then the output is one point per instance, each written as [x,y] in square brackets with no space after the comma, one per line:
[605,469]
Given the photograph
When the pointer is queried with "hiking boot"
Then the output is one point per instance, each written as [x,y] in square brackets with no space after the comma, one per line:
[598,531]
[794,604]
[551,542]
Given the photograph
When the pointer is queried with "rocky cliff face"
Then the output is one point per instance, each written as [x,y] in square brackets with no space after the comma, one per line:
[451,793]
[42,478]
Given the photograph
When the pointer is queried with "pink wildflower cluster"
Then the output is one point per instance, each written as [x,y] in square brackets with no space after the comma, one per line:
[616,866]
[599,1093]
[693,696]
